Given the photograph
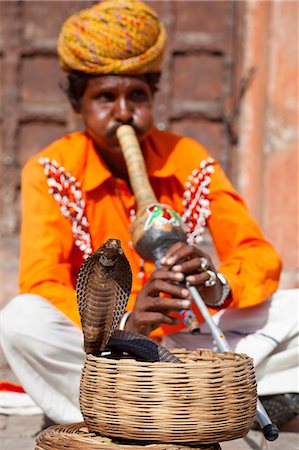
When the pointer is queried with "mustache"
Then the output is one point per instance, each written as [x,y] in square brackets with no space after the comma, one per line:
[111,132]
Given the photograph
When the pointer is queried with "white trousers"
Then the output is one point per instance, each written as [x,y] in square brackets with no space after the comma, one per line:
[45,349]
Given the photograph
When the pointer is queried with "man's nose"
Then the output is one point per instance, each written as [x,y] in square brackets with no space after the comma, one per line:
[123,110]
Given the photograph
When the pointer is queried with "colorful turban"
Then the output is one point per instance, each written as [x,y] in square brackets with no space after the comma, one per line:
[113,37]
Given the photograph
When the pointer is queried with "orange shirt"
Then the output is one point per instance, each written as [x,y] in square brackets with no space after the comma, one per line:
[50,254]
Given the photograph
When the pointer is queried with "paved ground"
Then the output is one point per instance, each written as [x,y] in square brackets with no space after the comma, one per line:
[18,433]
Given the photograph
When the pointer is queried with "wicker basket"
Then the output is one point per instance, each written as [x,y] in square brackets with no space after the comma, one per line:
[77,436]
[209,397]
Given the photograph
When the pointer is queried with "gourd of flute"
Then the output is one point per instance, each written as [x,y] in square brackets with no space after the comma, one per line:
[157,226]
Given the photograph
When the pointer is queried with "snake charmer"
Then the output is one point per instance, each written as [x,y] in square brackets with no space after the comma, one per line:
[76,194]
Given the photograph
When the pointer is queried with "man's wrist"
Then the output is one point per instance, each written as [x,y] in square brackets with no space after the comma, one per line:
[225,292]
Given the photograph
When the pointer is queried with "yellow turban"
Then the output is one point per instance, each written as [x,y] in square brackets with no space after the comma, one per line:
[113,37]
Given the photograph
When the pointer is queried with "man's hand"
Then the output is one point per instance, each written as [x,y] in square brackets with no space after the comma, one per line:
[188,260]
[182,263]
[152,309]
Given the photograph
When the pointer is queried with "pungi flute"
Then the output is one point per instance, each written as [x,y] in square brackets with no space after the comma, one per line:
[157,226]
[152,237]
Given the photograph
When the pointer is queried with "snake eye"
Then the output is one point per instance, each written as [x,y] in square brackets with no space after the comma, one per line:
[106,262]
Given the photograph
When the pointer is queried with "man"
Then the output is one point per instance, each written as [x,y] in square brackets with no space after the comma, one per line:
[76,194]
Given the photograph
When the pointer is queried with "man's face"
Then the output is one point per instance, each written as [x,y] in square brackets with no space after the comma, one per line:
[112,100]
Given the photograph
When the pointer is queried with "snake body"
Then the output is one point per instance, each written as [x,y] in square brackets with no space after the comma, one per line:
[103,287]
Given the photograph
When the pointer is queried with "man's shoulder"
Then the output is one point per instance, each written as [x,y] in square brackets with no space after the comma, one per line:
[182,150]
[62,149]
[67,152]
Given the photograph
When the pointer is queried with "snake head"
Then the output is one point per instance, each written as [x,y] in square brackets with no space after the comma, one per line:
[110,252]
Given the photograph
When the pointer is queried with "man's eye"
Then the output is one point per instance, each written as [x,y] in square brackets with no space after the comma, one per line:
[105,97]
[138,95]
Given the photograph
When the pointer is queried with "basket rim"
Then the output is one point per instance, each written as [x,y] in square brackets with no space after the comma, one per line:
[202,355]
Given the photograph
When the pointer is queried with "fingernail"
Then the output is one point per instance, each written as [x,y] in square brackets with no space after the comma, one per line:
[170,260]
[191,279]
[177,268]
[163,260]
[185,292]
[179,276]
[186,304]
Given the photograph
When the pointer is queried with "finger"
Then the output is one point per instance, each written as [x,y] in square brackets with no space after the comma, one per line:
[167,275]
[172,250]
[166,305]
[180,253]
[156,287]
[168,320]
[193,266]
[198,279]
[155,319]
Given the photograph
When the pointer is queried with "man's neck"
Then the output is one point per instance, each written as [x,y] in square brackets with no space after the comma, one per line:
[115,163]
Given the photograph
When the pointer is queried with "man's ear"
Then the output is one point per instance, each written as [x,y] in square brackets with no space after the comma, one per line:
[76,105]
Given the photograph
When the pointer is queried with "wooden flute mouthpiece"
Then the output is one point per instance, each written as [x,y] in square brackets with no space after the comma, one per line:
[133,155]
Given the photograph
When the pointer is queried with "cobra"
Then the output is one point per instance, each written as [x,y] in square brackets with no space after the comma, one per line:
[103,287]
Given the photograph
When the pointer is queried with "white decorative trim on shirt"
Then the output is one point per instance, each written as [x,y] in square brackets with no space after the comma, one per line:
[66,191]
[196,204]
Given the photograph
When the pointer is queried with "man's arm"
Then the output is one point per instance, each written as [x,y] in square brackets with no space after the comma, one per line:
[46,245]
[247,260]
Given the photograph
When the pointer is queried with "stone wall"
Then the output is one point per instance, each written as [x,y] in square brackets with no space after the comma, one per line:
[268,127]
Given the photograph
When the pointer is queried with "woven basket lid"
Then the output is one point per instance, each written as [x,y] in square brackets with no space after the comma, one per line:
[76,436]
